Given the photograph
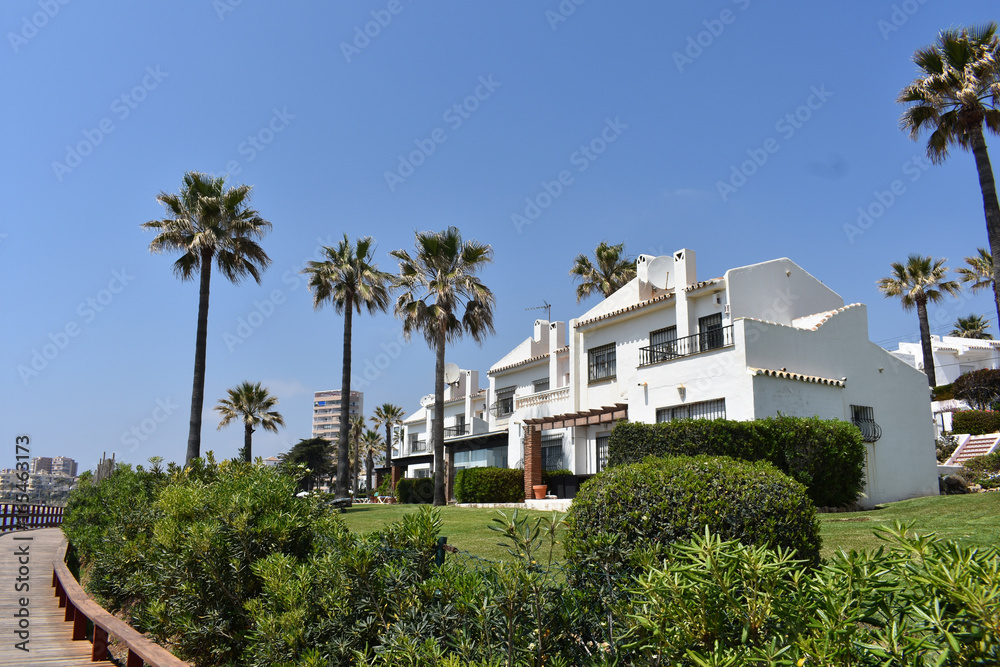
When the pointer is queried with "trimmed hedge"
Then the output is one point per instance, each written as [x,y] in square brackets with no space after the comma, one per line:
[975,422]
[826,455]
[668,499]
[489,485]
[415,491]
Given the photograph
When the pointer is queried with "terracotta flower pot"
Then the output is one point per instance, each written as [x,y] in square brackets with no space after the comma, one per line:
[540,490]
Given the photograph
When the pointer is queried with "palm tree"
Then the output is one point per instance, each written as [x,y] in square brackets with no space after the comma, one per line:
[349,281]
[443,298]
[250,403]
[208,222]
[918,282]
[955,96]
[357,429]
[388,415]
[973,326]
[371,445]
[979,271]
[613,269]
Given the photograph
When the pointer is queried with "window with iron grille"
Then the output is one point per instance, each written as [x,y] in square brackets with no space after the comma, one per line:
[601,363]
[715,409]
[540,385]
[863,416]
[602,451]
[710,332]
[552,452]
[663,344]
[504,404]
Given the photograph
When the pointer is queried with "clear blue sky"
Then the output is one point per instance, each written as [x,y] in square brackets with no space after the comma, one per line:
[110,103]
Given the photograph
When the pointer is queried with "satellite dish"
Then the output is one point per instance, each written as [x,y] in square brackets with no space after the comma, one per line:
[658,270]
[451,373]
[427,401]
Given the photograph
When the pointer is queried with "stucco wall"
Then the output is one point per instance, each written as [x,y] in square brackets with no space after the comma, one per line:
[777,291]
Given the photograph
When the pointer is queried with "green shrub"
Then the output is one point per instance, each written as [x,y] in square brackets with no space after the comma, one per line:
[664,500]
[489,485]
[415,490]
[987,463]
[827,456]
[976,422]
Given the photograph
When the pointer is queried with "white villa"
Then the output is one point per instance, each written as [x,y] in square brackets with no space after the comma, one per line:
[762,339]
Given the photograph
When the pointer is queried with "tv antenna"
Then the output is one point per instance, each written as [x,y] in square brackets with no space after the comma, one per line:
[547,307]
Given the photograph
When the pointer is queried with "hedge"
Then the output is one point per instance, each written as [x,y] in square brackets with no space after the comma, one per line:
[489,485]
[827,456]
[417,490]
[668,499]
[975,422]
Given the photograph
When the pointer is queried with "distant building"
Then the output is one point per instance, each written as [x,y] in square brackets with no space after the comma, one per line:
[63,466]
[326,412]
[41,464]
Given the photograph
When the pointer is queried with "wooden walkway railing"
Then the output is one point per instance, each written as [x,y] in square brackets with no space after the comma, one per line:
[19,516]
[56,627]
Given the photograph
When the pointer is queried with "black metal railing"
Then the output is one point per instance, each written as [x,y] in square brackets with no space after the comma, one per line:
[455,431]
[418,445]
[685,347]
[870,431]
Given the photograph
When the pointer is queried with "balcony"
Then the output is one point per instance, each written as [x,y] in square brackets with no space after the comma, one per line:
[687,346]
[542,397]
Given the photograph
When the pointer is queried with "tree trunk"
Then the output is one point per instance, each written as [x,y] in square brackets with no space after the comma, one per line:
[437,424]
[369,464]
[247,440]
[388,442]
[343,439]
[991,206]
[200,346]
[925,343]
[357,464]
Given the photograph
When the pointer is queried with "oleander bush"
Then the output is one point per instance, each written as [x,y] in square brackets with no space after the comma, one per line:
[415,491]
[975,422]
[489,485]
[826,455]
[668,499]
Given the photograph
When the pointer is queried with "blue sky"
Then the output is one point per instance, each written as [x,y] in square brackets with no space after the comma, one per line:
[620,121]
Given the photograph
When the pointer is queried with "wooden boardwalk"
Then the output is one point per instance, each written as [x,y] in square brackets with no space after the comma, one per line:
[49,638]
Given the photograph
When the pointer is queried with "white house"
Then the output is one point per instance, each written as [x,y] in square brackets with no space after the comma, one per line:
[953,356]
[762,339]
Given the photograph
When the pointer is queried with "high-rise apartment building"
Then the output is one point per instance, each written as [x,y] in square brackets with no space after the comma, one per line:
[326,412]
[41,464]
[64,466]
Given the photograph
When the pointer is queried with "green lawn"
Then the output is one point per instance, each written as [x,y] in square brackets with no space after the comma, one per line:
[972,519]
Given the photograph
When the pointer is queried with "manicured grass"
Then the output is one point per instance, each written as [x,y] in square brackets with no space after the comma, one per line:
[971,519]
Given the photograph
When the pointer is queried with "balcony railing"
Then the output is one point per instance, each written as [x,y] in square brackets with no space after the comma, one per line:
[417,446]
[541,397]
[455,431]
[687,346]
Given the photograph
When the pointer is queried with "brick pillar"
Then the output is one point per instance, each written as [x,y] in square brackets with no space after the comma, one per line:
[449,474]
[397,474]
[532,459]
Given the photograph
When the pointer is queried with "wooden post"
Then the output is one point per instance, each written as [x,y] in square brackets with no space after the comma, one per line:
[100,651]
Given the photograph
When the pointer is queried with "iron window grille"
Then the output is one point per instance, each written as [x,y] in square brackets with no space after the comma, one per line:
[602,363]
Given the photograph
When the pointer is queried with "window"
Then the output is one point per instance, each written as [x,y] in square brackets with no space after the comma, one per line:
[863,416]
[504,404]
[552,452]
[602,451]
[715,409]
[710,332]
[601,363]
[540,385]
[417,445]
[663,343]
[422,472]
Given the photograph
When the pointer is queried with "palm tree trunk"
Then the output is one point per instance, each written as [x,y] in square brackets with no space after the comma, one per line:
[343,440]
[437,424]
[991,206]
[369,464]
[925,343]
[388,444]
[357,464]
[247,440]
[200,347]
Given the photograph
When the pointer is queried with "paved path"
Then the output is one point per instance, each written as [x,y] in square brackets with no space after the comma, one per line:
[48,635]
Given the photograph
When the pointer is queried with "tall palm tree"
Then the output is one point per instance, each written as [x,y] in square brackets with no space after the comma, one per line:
[348,280]
[388,415]
[956,96]
[611,270]
[978,270]
[371,445]
[357,430]
[209,222]
[443,298]
[973,326]
[918,282]
[251,404]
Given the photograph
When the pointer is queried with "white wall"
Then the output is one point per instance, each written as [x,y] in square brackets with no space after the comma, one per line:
[777,291]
